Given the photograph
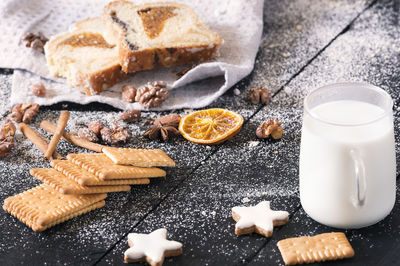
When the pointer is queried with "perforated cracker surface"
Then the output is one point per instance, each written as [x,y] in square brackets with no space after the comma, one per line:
[139,157]
[65,185]
[42,206]
[83,177]
[306,249]
[104,168]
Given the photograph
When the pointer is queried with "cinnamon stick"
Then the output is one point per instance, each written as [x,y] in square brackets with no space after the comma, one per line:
[61,124]
[36,139]
[50,127]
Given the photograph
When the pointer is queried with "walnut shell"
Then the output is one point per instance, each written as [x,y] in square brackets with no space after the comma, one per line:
[152,94]
[95,127]
[87,134]
[272,128]
[7,130]
[128,93]
[38,90]
[5,148]
[260,94]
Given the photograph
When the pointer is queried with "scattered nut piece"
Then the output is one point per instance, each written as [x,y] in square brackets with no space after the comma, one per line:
[35,41]
[87,134]
[6,147]
[16,113]
[152,94]
[128,93]
[27,38]
[116,136]
[37,45]
[17,116]
[38,90]
[24,112]
[259,94]
[30,112]
[130,116]
[106,135]
[95,127]
[272,128]
[122,134]
[7,130]
[168,120]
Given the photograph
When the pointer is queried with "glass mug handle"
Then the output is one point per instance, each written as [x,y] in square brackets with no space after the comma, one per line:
[361,183]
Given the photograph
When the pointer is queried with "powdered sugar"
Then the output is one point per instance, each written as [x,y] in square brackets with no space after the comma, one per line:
[214,179]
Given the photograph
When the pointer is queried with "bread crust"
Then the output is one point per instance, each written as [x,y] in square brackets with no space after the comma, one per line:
[95,83]
[146,59]
[133,61]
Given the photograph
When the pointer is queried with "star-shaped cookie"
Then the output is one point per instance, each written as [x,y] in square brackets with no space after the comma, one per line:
[153,247]
[260,219]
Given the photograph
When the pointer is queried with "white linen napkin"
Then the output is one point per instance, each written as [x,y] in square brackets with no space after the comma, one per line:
[239,22]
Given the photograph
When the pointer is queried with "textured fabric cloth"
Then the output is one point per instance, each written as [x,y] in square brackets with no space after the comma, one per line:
[239,22]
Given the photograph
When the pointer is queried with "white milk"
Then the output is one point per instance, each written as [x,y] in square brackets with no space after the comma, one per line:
[328,186]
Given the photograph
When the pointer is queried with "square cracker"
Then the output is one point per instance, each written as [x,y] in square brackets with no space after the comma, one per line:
[105,169]
[64,185]
[83,177]
[42,207]
[309,249]
[139,157]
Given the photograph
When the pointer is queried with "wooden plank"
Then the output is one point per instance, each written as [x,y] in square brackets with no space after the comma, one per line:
[217,245]
[373,245]
[374,63]
[198,213]
[84,240]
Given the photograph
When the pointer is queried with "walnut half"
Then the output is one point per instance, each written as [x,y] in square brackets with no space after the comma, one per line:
[259,95]
[152,94]
[272,128]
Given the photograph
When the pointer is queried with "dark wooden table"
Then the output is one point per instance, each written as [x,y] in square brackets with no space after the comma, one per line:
[306,44]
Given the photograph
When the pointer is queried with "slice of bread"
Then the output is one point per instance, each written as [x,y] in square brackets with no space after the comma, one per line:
[86,55]
[164,33]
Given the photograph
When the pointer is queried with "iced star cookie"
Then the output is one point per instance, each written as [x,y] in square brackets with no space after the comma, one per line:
[153,247]
[260,219]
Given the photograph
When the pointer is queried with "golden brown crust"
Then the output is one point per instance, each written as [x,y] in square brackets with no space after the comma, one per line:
[97,82]
[133,61]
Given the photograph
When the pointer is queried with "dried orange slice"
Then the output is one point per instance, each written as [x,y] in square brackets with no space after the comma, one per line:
[212,126]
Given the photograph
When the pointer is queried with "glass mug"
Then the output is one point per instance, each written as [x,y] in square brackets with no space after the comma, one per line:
[347,155]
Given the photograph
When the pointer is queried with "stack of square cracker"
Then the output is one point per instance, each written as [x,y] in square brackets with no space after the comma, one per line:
[78,185]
